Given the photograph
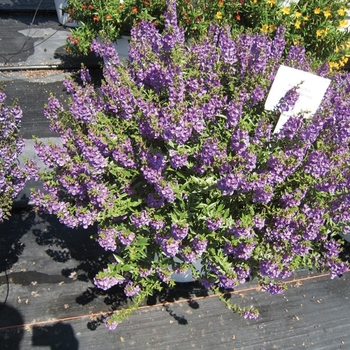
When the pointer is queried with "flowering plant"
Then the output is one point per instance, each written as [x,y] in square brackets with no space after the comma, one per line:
[12,176]
[175,160]
[318,25]
[108,19]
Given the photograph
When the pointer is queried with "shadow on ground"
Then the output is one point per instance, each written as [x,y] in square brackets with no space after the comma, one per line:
[59,336]
[11,232]
[10,335]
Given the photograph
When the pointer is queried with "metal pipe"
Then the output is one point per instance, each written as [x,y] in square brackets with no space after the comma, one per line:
[17,68]
[43,67]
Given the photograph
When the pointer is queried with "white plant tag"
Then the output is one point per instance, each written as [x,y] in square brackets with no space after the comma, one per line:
[311,91]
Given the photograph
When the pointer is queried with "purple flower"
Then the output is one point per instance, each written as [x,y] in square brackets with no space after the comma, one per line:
[229,183]
[177,160]
[258,94]
[179,232]
[289,100]
[241,250]
[213,225]
[111,325]
[251,315]
[269,269]
[317,164]
[164,274]
[170,247]
[140,220]
[206,283]
[107,282]
[130,290]
[156,224]
[188,255]
[166,192]
[227,283]
[106,238]
[263,195]
[126,237]
[273,288]
[199,245]
[145,272]
[154,200]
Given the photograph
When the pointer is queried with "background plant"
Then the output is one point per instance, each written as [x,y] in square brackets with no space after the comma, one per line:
[318,25]
[12,175]
[175,156]
[109,19]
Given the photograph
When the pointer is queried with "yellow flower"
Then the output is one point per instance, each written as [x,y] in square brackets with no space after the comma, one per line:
[327,13]
[344,60]
[286,10]
[264,28]
[341,12]
[297,24]
[297,14]
[333,65]
[271,2]
[317,11]
[255,1]
[319,33]
[218,15]
[306,18]
[343,23]
[272,28]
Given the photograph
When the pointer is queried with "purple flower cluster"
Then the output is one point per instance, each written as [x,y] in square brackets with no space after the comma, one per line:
[13,176]
[199,245]
[174,157]
[273,288]
[105,282]
[106,239]
[111,325]
[130,290]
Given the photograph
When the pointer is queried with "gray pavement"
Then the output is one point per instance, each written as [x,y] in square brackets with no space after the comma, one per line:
[27,6]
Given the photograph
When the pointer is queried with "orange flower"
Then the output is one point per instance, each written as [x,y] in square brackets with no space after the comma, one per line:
[146,3]
[96,18]
[134,10]
[238,16]
[121,7]
[221,3]
[71,11]
[108,16]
